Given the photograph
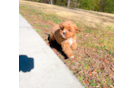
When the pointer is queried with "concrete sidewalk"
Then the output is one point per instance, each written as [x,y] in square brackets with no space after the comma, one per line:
[39,66]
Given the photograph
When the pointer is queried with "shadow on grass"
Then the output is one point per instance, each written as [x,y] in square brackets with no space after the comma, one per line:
[56,46]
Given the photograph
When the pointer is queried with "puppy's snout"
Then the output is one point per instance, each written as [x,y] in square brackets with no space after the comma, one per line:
[64,33]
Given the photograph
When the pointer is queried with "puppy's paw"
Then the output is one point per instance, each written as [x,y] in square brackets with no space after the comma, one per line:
[71,57]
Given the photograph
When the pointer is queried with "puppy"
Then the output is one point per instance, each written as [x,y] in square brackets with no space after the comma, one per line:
[65,35]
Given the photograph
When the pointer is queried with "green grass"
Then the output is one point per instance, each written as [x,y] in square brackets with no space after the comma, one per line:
[110,28]
[79,69]
[79,35]
[83,77]
[87,31]
[98,70]
[45,18]
[83,84]
[58,21]
[87,67]
[46,26]
[112,53]
[80,78]
[62,57]
[33,10]
[38,30]
[89,60]
[91,83]
[23,7]
[37,24]
[68,62]
[87,27]
[40,13]
[100,85]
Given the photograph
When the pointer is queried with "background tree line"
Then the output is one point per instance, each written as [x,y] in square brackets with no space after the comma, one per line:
[95,5]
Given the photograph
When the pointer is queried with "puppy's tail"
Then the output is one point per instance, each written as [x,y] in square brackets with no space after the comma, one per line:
[51,23]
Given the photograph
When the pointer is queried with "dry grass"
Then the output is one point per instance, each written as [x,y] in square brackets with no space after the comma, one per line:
[94,62]
[84,16]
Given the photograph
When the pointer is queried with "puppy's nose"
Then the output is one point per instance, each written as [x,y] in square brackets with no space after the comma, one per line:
[64,33]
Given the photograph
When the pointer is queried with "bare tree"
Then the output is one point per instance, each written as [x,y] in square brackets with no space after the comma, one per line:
[45,1]
[68,3]
[51,1]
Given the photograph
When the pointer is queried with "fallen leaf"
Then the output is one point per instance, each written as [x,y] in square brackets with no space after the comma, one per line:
[72,61]
[86,81]
[112,68]
[90,87]
[101,44]
[93,75]
[86,35]
[55,51]
[94,70]
[109,75]
[104,86]
[111,86]
[45,30]
[47,43]
[105,61]
[89,74]
[77,59]
[90,56]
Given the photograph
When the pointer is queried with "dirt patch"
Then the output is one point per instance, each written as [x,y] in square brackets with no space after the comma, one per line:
[94,58]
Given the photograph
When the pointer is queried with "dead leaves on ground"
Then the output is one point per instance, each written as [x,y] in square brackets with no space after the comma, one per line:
[77,59]
[71,61]
[86,81]
[48,43]
[105,61]
[55,51]
[90,74]
[94,70]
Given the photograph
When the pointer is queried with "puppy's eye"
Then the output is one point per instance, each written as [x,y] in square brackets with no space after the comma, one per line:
[69,30]
[62,28]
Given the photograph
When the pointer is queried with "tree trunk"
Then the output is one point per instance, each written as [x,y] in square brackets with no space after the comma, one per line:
[68,3]
[51,1]
[45,1]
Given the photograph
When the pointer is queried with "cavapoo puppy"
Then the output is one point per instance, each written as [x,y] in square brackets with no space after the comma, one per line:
[65,35]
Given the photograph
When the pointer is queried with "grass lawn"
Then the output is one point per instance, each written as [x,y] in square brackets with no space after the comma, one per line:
[94,58]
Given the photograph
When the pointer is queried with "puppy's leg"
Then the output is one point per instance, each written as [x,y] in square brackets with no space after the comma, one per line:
[74,46]
[51,38]
[67,50]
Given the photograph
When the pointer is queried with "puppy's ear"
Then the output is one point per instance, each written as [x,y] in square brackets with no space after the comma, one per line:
[61,25]
[77,30]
